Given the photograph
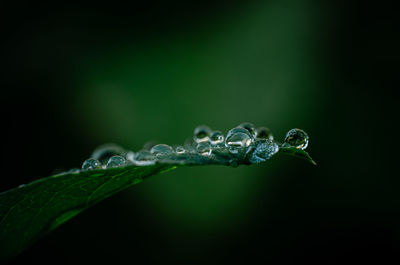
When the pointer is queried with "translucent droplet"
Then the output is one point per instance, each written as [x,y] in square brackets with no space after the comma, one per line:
[204,148]
[105,151]
[116,161]
[189,145]
[237,141]
[239,130]
[91,164]
[148,145]
[249,127]
[130,156]
[297,138]
[264,133]
[180,150]
[201,134]
[143,158]
[161,150]
[216,138]
[264,149]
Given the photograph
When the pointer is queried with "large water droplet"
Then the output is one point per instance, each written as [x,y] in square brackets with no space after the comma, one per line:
[116,161]
[237,142]
[204,148]
[105,151]
[216,138]
[91,164]
[297,138]
[180,150]
[264,149]
[264,133]
[143,158]
[201,134]
[249,127]
[161,150]
[238,130]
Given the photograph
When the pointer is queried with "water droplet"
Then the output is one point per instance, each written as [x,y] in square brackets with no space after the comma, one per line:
[180,150]
[239,130]
[249,127]
[204,148]
[91,164]
[265,148]
[201,134]
[216,138]
[116,161]
[130,156]
[237,141]
[105,151]
[143,158]
[264,133]
[297,138]
[161,150]
[147,146]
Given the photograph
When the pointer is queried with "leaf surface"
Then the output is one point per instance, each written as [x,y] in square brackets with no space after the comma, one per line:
[32,210]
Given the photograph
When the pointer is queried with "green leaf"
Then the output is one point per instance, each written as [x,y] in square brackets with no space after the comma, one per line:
[292,151]
[30,211]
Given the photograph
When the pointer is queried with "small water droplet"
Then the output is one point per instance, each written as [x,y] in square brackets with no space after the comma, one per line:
[216,138]
[201,134]
[161,150]
[116,161]
[237,141]
[105,151]
[143,158]
[264,133]
[204,148]
[264,149]
[249,127]
[180,150]
[297,138]
[91,164]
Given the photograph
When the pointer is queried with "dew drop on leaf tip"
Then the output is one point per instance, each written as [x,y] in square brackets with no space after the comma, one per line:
[297,138]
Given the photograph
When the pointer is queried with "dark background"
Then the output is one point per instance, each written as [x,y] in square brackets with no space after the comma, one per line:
[76,76]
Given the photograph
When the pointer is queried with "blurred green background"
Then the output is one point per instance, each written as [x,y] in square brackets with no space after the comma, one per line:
[77,76]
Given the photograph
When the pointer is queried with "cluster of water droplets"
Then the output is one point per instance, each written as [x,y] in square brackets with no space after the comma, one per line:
[243,144]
